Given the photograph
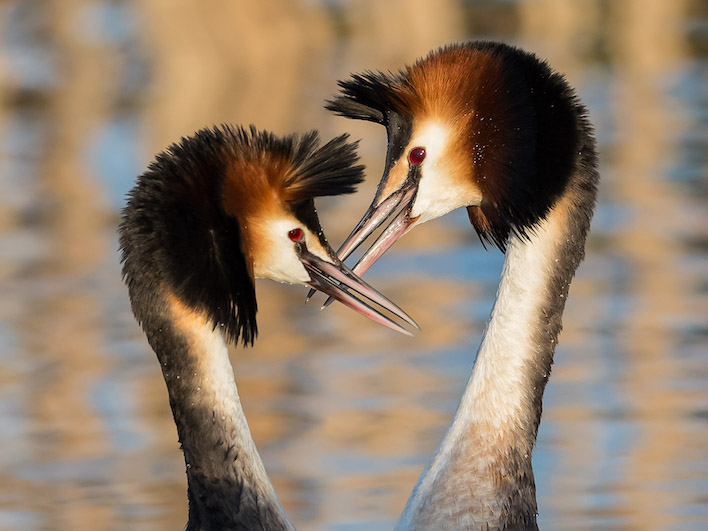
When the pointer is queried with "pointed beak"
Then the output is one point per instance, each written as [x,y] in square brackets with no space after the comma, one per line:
[400,202]
[338,282]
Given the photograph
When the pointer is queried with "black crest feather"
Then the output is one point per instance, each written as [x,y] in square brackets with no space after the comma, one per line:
[322,171]
[368,96]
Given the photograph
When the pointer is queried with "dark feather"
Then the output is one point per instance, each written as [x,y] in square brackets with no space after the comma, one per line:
[530,124]
[322,171]
[176,239]
[368,96]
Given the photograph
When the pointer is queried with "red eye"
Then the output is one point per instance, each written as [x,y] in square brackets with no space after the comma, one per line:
[295,235]
[416,156]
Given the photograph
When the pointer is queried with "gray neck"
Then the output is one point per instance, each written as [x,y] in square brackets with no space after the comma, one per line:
[481,472]
[228,487]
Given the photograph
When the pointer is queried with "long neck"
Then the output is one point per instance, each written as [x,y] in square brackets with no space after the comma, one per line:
[228,487]
[481,472]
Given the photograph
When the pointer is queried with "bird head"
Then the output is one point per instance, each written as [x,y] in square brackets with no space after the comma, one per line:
[228,205]
[479,125]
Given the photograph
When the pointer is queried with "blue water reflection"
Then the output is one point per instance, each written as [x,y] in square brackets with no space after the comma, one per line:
[345,414]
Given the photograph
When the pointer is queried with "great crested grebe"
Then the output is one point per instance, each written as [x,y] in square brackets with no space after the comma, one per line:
[492,128]
[210,215]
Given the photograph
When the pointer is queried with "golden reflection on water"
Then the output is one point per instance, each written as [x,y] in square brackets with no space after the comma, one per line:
[344,412]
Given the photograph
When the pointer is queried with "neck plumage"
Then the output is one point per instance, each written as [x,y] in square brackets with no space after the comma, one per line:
[228,487]
[481,473]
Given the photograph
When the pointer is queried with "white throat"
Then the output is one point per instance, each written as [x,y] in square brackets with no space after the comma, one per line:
[495,390]
[494,409]
[215,392]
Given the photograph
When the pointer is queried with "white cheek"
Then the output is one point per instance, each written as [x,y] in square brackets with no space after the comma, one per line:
[439,192]
[437,195]
[283,265]
[278,259]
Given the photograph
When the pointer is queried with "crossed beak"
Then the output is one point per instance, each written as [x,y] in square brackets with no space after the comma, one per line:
[396,210]
[339,282]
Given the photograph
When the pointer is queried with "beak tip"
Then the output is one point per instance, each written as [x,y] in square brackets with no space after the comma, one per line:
[340,283]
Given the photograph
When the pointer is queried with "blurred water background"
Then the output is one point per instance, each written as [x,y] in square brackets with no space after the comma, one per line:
[345,413]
